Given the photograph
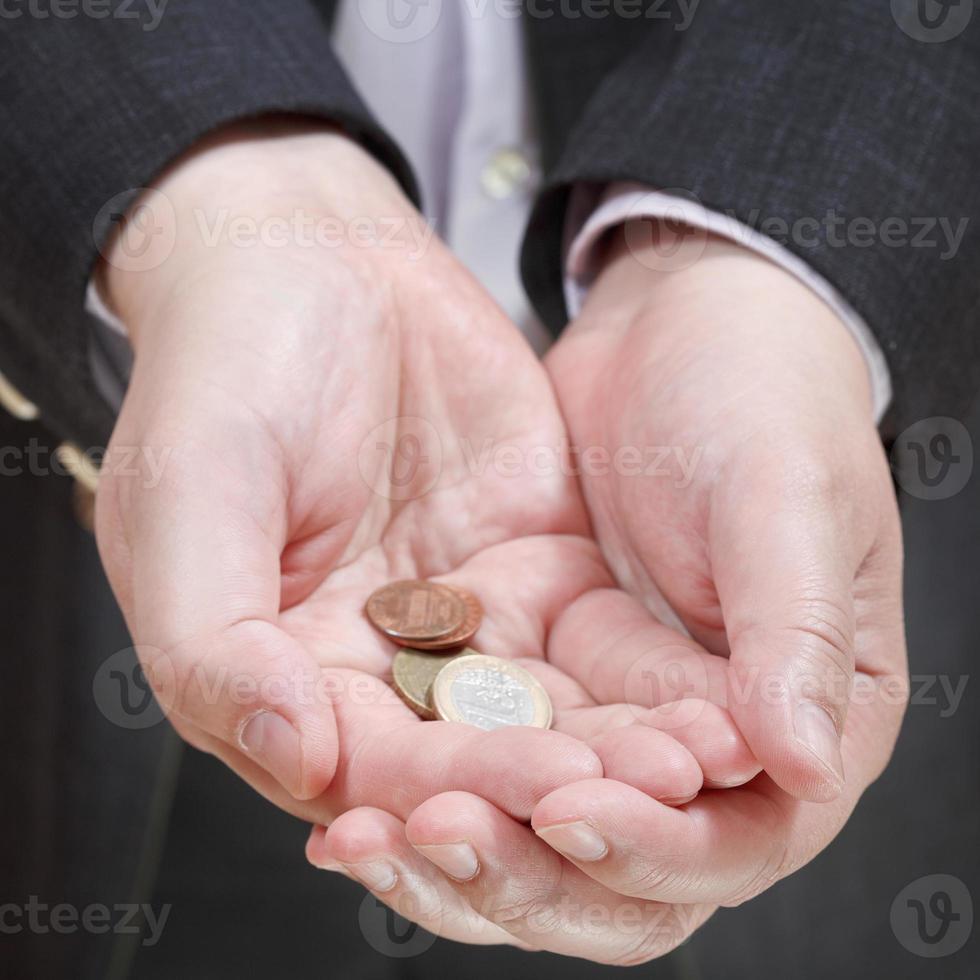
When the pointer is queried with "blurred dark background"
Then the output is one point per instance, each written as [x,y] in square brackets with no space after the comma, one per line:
[244,901]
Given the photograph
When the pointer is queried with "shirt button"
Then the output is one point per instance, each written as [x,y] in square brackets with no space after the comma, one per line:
[507,172]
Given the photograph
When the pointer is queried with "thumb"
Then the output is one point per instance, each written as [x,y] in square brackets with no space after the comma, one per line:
[785,578]
[200,586]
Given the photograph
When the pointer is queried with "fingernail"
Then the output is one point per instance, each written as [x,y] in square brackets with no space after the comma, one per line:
[378,876]
[815,730]
[733,783]
[275,745]
[458,860]
[577,840]
[678,800]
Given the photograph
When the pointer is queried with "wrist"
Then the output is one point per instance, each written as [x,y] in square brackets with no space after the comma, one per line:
[245,201]
[710,305]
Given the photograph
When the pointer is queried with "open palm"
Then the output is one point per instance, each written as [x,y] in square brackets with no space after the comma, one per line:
[329,424]
[742,491]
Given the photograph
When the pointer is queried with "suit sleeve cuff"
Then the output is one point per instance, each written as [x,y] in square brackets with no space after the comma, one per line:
[591,213]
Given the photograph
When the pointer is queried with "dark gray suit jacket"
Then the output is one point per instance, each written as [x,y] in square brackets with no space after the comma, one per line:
[782,111]
[790,110]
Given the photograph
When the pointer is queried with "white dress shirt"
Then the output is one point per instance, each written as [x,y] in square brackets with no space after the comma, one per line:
[454,95]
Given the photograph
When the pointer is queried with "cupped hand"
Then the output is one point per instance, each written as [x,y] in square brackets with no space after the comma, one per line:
[751,496]
[736,484]
[331,417]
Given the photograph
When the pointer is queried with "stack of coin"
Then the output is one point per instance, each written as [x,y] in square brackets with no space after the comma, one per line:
[436,674]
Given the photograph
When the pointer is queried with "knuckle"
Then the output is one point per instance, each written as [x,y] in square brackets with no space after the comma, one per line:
[811,480]
[829,622]
[824,635]
[814,638]
[536,907]
[166,675]
[805,477]
[513,909]
[654,880]
[533,919]
[418,905]
[215,681]
[183,679]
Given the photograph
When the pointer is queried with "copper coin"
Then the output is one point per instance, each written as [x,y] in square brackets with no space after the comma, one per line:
[467,629]
[416,610]
[413,672]
[490,693]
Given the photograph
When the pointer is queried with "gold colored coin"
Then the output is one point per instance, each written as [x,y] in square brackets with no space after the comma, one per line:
[413,672]
[490,693]
[416,610]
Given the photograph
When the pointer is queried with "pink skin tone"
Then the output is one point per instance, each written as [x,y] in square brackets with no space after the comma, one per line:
[266,372]
[261,374]
[781,557]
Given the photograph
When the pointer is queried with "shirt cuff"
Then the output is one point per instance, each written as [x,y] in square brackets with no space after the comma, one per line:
[109,350]
[592,213]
